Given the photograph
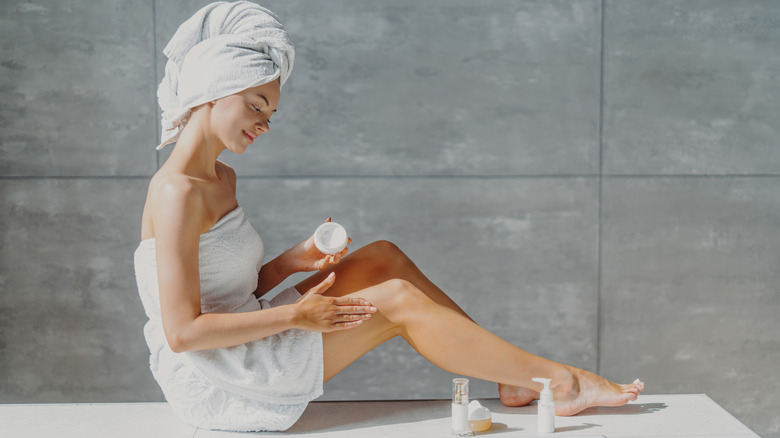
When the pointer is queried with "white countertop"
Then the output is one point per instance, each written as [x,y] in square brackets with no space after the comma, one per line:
[677,415]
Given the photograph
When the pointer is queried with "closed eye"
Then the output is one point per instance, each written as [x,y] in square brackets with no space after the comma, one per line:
[258,110]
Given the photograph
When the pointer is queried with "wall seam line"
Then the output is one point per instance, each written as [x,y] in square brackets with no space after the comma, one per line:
[600,201]
[154,86]
[402,177]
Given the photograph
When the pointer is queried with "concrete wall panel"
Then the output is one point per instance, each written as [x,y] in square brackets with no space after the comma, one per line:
[70,316]
[691,87]
[430,88]
[76,83]
[689,289]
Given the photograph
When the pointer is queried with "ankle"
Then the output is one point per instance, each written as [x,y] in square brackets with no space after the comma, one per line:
[565,384]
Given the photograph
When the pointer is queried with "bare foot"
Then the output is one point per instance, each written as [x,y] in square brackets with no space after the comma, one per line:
[516,395]
[588,389]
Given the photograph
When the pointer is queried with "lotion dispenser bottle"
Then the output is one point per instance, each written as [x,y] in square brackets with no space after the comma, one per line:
[460,407]
[546,414]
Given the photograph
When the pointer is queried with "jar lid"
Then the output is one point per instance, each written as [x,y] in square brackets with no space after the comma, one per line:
[330,238]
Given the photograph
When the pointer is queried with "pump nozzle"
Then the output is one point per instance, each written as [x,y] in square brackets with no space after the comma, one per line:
[545,382]
[546,395]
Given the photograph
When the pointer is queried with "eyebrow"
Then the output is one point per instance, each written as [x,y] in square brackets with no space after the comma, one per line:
[266,100]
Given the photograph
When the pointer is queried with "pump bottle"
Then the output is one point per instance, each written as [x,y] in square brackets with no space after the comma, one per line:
[546,414]
[460,407]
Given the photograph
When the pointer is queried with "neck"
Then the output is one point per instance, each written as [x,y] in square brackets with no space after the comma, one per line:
[196,149]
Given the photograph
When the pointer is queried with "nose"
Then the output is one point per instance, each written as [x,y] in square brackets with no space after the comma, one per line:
[263,126]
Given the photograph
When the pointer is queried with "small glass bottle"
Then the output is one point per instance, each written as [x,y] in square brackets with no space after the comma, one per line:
[460,407]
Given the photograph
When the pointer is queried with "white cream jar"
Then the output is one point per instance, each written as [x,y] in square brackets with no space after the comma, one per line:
[330,238]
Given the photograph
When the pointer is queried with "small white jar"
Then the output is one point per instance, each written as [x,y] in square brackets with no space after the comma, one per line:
[330,238]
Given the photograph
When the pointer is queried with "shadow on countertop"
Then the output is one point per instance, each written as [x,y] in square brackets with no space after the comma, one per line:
[329,416]
[629,409]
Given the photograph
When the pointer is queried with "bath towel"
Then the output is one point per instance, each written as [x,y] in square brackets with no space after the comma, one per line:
[221,50]
[261,385]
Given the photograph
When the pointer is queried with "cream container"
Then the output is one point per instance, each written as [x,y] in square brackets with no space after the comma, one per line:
[330,238]
[480,418]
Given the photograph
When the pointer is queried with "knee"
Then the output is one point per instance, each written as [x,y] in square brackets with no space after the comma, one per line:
[387,255]
[404,296]
[386,249]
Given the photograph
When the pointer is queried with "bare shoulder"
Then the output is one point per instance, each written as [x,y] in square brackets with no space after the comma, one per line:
[174,189]
[174,200]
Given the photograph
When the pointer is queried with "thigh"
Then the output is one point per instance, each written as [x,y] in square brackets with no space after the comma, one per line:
[342,347]
[373,264]
[364,268]
[362,274]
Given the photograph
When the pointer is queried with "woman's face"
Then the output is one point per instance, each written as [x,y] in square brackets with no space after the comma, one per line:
[240,118]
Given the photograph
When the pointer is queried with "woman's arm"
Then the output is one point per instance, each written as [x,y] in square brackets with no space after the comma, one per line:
[303,257]
[273,273]
[179,216]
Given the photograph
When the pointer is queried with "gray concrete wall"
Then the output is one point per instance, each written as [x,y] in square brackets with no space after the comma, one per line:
[596,181]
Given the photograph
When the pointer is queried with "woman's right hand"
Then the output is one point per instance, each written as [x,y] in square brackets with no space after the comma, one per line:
[318,313]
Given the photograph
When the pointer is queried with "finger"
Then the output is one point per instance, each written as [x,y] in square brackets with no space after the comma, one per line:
[352,310]
[347,325]
[324,284]
[349,318]
[350,301]
[323,262]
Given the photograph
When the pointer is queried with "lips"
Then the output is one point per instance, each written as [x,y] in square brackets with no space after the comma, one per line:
[248,137]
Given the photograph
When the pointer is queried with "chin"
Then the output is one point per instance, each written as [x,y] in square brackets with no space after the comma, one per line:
[239,148]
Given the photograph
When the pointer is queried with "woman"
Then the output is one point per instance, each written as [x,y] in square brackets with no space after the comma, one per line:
[227,359]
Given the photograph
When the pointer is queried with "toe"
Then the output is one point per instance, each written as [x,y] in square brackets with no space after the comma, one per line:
[631,389]
[631,392]
[622,399]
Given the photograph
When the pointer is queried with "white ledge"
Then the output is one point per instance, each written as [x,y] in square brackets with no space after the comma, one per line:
[676,415]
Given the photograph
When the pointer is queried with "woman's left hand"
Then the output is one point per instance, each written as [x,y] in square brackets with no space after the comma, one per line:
[306,257]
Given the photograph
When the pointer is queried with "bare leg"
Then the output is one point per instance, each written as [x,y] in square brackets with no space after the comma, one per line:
[381,261]
[435,331]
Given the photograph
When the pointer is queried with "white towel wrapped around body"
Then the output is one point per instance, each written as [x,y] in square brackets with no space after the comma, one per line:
[223,49]
[263,384]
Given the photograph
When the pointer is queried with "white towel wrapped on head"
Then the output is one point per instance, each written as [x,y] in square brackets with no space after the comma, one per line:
[221,50]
